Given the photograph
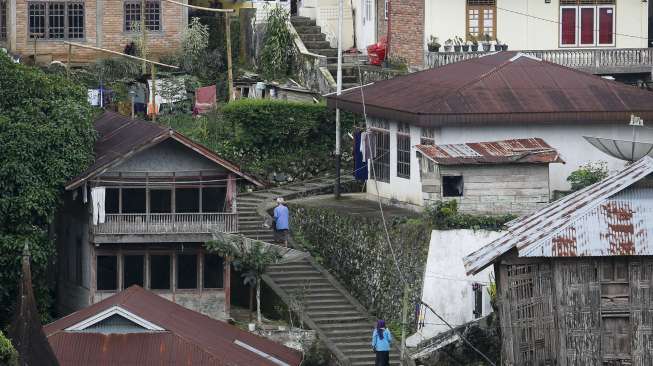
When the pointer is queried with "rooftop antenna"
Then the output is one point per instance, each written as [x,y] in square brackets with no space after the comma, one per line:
[627,150]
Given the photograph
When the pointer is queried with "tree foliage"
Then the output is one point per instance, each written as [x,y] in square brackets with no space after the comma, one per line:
[8,354]
[46,137]
[278,48]
[587,175]
[444,215]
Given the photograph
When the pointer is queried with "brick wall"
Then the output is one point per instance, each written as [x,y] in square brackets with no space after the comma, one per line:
[407,31]
[112,35]
[381,22]
[492,189]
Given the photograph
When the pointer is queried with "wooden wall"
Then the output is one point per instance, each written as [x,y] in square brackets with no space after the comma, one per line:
[576,311]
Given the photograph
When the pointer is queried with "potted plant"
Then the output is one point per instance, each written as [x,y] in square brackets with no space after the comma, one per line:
[447,45]
[474,42]
[466,46]
[458,42]
[434,44]
[504,47]
[498,46]
[486,42]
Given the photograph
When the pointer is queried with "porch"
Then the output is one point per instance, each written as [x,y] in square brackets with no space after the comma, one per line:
[594,61]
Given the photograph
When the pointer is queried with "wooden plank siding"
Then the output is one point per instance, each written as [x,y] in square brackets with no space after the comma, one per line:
[576,311]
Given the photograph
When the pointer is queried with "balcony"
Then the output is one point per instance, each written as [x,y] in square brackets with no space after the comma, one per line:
[167,223]
[594,61]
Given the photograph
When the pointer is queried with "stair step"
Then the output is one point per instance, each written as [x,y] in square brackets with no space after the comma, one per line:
[348,333]
[318,45]
[331,313]
[329,52]
[297,21]
[339,319]
[307,37]
[361,326]
[289,274]
[284,279]
[350,79]
[349,85]
[310,29]
[327,303]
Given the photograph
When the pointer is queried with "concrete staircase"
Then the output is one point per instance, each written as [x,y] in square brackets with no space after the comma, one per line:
[315,41]
[342,323]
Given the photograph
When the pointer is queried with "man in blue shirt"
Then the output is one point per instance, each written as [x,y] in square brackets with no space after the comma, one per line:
[281,222]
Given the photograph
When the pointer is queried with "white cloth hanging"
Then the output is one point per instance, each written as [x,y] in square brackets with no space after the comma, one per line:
[97,200]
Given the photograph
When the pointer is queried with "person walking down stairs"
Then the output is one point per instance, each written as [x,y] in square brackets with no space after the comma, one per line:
[381,341]
[281,228]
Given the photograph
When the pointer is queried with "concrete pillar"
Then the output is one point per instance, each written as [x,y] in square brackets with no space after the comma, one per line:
[11,25]
[99,19]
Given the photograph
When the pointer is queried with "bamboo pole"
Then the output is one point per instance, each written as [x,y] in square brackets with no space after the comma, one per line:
[201,7]
[119,54]
[230,76]
[144,38]
[153,101]
[70,51]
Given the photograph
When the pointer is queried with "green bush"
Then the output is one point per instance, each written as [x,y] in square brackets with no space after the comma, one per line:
[8,354]
[271,139]
[46,137]
[445,216]
[587,175]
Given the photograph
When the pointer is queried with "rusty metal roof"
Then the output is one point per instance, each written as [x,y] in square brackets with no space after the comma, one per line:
[531,150]
[611,217]
[506,87]
[120,137]
[189,338]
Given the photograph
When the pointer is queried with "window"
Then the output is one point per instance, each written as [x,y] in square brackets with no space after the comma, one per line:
[428,136]
[213,199]
[403,151]
[187,271]
[587,23]
[133,270]
[187,200]
[112,201]
[382,156]
[107,272]
[477,290]
[3,20]
[481,18]
[160,200]
[213,271]
[133,200]
[385,9]
[56,20]
[452,186]
[133,15]
[160,272]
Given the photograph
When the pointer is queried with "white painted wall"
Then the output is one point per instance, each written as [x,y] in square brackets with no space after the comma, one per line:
[567,139]
[325,14]
[402,189]
[446,287]
[446,19]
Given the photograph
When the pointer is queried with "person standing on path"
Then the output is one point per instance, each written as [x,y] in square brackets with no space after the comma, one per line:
[281,222]
[381,340]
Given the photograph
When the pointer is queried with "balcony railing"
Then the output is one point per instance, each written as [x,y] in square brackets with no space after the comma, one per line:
[597,61]
[168,223]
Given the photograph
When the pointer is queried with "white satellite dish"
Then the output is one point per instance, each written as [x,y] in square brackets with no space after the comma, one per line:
[624,149]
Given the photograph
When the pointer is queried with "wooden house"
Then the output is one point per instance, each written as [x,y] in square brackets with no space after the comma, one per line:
[574,279]
[139,215]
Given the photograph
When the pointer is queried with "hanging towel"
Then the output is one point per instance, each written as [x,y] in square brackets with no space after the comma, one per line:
[368,145]
[360,165]
[205,99]
[231,192]
[97,200]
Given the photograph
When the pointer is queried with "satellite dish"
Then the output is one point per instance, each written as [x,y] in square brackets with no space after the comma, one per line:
[622,149]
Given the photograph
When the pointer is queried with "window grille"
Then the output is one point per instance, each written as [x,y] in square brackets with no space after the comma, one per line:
[428,136]
[3,20]
[133,16]
[403,155]
[56,20]
[382,156]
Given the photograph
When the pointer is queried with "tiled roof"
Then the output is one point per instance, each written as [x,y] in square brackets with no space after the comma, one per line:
[605,219]
[533,150]
[189,338]
[506,87]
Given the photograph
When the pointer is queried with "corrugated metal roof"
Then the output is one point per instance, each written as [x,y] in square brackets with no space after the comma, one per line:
[120,137]
[190,338]
[603,219]
[532,150]
[498,88]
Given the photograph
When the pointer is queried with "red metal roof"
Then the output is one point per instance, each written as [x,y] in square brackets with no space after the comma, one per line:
[190,338]
[607,218]
[120,137]
[506,87]
[532,150]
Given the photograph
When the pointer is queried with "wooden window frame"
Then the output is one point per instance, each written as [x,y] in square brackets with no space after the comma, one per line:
[481,20]
[3,20]
[596,26]
[154,17]
[67,8]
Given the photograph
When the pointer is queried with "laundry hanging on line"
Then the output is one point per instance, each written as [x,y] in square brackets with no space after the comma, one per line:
[97,200]
[360,165]
[368,145]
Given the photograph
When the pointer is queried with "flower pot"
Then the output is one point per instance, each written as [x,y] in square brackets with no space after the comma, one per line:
[251,327]
[466,48]
[474,48]
[505,47]
[434,48]
[486,47]
[456,48]
[447,48]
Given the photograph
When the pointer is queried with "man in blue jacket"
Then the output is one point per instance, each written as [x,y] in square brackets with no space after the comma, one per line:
[281,222]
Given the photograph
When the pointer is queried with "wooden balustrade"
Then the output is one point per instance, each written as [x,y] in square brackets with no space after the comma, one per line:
[168,223]
[598,61]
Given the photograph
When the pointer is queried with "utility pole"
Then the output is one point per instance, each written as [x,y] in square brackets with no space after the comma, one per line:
[230,76]
[143,39]
[404,320]
[338,92]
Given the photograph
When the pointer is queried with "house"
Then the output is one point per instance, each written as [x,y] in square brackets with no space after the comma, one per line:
[562,25]
[498,177]
[139,215]
[503,96]
[40,27]
[574,279]
[138,327]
